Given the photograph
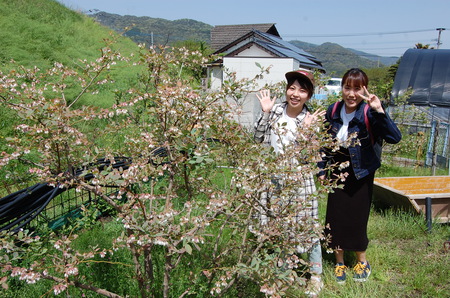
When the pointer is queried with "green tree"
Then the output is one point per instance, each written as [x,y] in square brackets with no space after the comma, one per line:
[423,46]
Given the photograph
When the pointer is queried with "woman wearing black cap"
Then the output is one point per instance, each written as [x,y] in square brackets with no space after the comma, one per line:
[278,127]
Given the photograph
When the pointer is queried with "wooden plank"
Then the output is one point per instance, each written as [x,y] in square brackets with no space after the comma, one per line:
[411,192]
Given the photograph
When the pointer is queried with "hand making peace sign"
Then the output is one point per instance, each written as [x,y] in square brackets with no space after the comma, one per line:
[372,100]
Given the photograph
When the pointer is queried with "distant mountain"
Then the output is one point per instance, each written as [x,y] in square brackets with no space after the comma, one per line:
[154,30]
[383,60]
[335,58]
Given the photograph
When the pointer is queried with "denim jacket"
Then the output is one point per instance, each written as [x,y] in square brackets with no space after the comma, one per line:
[365,156]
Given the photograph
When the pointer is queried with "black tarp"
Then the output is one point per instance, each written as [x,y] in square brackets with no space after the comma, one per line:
[427,72]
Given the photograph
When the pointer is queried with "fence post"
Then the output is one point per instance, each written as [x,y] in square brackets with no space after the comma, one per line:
[428,213]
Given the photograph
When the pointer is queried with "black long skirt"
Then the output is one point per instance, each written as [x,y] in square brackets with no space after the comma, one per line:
[348,210]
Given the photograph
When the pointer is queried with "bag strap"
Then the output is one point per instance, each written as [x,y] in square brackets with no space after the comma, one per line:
[366,120]
[333,111]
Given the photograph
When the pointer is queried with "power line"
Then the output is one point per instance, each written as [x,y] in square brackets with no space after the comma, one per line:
[379,46]
[387,43]
[358,34]
[351,54]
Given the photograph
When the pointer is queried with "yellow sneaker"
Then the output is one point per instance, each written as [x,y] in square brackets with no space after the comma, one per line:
[361,271]
[339,273]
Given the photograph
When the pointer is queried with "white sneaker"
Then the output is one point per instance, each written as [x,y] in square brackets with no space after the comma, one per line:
[314,286]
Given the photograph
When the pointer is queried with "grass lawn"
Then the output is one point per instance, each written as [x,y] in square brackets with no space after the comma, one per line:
[406,260]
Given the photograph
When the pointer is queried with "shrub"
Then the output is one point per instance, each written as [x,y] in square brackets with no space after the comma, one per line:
[170,205]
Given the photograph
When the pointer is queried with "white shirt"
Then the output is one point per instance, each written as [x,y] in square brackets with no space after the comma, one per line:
[342,134]
[284,132]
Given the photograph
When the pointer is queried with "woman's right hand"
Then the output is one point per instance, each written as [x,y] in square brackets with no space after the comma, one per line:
[311,119]
[266,102]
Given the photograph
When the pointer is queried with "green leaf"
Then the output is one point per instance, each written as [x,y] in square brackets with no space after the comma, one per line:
[253,264]
[188,248]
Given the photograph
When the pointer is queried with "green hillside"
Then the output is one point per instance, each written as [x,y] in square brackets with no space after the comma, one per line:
[40,32]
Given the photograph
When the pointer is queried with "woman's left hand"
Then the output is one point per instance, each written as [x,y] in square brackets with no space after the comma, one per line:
[372,100]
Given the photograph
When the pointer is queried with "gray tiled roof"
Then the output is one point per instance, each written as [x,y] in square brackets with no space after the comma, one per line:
[273,44]
[225,34]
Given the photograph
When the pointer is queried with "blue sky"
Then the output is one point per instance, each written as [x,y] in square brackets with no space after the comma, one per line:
[381,27]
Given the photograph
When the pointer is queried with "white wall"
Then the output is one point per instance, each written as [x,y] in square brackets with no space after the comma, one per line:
[254,51]
[215,77]
[245,67]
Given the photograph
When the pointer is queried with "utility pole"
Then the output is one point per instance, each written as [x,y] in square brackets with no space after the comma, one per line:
[439,36]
